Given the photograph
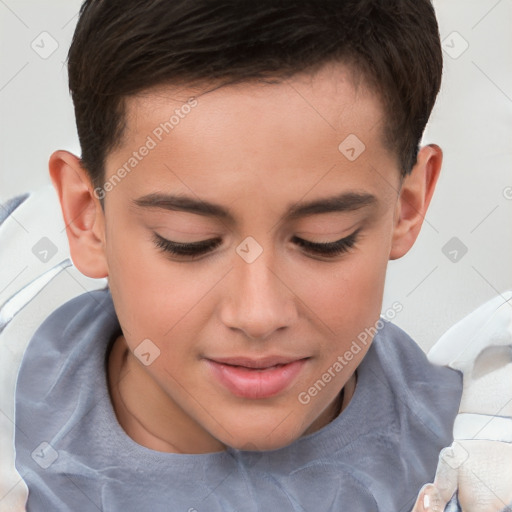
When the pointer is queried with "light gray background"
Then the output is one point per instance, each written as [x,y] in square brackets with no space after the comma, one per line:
[472,122]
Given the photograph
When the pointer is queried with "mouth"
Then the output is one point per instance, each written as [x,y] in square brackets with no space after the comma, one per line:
[256,378]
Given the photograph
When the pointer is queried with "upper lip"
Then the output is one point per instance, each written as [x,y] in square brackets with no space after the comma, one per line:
[263,362]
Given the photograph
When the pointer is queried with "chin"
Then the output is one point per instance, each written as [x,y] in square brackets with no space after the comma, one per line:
[260,444]
[263,437]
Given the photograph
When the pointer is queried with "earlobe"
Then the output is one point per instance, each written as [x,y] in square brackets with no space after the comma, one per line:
[414,198]
[82,213]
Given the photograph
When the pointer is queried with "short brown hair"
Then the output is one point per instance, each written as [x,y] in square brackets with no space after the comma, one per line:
[122,47]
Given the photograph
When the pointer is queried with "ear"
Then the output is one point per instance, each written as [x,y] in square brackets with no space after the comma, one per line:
[82,212]
[414,198]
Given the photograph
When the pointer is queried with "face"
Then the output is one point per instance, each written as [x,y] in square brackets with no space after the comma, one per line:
[246,248]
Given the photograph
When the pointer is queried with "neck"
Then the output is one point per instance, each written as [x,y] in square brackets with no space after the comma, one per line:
[336,407]
[137,402]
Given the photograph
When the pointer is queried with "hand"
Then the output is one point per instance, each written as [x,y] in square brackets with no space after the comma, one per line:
[478,464]
[479,470]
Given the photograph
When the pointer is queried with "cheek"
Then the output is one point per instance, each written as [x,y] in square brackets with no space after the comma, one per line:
[364,278]
[346,295]
[156,297]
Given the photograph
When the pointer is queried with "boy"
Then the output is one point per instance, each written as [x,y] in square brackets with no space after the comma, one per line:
[247,171]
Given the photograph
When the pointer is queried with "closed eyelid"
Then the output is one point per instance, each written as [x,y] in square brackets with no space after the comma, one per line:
[192,251]
[330,242]
[332,236]
[214,240]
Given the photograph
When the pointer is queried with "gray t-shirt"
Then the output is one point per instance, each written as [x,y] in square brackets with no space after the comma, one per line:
[74,455]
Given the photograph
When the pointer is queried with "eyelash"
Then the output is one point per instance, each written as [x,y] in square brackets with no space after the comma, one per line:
[196,249]
[329,249]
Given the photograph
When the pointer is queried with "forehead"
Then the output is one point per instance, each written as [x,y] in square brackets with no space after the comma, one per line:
[332,96]
[282,137]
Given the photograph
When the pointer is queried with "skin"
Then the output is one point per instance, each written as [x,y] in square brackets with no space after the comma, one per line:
[255,149]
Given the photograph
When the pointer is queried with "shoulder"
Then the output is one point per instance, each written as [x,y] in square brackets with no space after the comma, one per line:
[78,317]
[69,344]
[427,393]
[396,349]
[63,374]
[38,277]
[61,392]
[400,417]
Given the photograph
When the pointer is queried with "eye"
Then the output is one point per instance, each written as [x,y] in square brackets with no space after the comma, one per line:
[186,249]
[329,249]
[196,249]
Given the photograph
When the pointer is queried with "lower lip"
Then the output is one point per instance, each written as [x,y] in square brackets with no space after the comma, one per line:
[252,383]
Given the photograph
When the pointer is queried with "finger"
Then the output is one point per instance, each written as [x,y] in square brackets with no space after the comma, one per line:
[447,473]
[429,500]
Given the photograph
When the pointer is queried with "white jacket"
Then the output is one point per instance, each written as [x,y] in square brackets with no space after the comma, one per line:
[33,241]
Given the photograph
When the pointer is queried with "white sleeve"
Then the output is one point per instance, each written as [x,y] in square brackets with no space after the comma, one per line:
[33,283]
[478,464]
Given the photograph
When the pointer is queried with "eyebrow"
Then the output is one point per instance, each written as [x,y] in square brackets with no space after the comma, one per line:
[345,202]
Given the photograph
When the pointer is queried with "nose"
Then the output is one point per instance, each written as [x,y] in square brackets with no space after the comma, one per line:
[259,301]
